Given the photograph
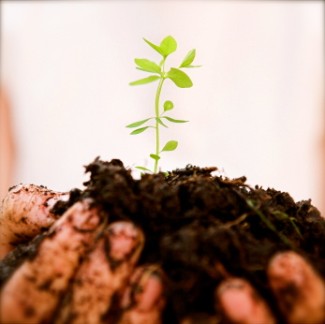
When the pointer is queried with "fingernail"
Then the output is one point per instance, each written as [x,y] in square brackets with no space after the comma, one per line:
[50,202]
[285,267]
[16,188]
[123,228]
[299,288]
[233,298]
[125,241]
[146,291]
[233,283]
[241,303]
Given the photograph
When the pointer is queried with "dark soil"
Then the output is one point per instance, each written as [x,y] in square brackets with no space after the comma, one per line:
[194,222]
[200,227]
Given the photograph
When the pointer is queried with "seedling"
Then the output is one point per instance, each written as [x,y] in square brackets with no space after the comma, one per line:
[157,70]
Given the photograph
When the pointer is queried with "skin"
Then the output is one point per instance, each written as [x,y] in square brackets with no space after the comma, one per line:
[104,272]
[78,250]
[299,288]
[144,299]
[24,213]
[33,292]
[240,303]
[102,261]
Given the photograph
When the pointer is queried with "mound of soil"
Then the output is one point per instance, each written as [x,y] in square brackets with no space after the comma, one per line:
[199,226]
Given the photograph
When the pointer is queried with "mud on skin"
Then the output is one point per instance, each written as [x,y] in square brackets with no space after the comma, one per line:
[202,228]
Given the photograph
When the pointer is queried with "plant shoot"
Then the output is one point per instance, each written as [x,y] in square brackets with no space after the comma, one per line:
[161,116]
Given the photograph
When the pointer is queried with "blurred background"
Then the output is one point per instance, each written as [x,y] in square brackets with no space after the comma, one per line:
[256,107]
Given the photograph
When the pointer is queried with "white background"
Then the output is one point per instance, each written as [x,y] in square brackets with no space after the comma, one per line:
[256,107]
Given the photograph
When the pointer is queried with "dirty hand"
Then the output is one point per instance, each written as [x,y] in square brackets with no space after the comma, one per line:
[82,270]
[297,288]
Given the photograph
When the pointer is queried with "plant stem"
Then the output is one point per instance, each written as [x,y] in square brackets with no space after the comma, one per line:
[269,224]
[157,115]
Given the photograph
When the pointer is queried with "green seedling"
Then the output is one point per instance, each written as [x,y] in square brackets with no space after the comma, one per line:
[158,73]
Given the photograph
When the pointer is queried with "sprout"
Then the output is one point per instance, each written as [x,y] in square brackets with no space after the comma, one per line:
[157,70]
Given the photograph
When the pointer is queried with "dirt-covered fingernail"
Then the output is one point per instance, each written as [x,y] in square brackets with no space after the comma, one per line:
[287,267]
[125,240]
[83,215]
[50,202]
[240,303]
[16,188]
[231,284]
[298,288]
[146,289]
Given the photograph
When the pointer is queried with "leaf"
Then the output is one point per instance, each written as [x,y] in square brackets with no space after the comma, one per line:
[146,80]
[168,45]
[138,123]
[155,156]
[147,65]
[168,105]
[170,146]
[155,47]
[139,130]
[143,168]
[189,58]
[180,78]
[175,120]
[161,122]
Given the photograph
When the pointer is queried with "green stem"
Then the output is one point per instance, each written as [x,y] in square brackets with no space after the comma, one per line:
[269,224]
[157,115]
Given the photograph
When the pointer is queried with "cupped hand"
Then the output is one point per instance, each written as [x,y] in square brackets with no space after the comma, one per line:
[85,270]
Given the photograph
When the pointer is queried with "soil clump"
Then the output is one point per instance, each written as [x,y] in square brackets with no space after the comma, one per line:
[202,228]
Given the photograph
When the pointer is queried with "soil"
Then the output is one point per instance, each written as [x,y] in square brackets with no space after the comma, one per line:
[201,228]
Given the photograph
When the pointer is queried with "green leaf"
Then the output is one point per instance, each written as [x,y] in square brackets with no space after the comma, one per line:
[175,120]
[168,105]
[155,47]
[155,156]
[189,58]
[138,123]
[143,168]
[146,80]
[168,45]
[161,122]
[170,146]
[139,130]
[192,66]
[147,65]
[180,78]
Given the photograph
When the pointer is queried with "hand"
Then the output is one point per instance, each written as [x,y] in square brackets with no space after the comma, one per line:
[25,213]
[81,270]
[85,272]
[298,290]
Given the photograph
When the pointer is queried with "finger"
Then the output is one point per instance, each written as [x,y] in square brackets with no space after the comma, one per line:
[24,213]
[104,272]
[32,293]
[240,303]
[144,300]
[299,289]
